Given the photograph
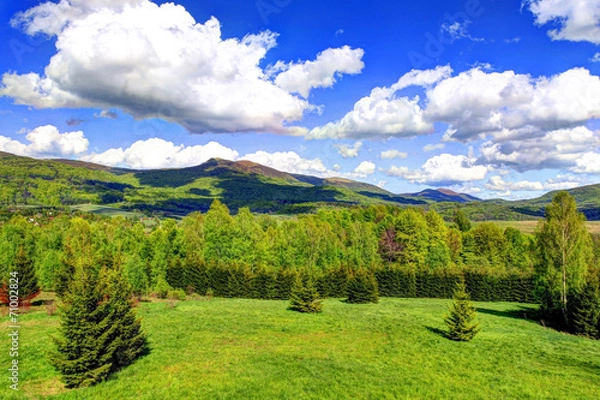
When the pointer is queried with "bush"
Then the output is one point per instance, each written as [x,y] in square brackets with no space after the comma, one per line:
[362,288]
[176,294]
[162,288]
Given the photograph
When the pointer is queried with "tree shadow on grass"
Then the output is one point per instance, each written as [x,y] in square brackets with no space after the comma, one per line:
[525,313]
[437,331]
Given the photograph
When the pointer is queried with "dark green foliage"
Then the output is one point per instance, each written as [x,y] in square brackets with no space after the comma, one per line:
[28,283]
[585,306]
[461,322]
[99,331]
[362,288]
[304,296]
[462,221]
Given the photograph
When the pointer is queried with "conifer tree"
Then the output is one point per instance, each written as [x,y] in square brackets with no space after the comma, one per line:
[304,296]
[28,283]
[586,310]
[124,337]
[362,288]
[78,356]
[461,320]
[99,332]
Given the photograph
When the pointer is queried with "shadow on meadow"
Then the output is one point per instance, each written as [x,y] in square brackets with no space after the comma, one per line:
[521,312]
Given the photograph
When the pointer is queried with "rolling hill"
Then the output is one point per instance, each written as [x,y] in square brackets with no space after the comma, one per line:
[176,192]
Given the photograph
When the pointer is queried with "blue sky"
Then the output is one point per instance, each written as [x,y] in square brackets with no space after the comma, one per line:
[493,98]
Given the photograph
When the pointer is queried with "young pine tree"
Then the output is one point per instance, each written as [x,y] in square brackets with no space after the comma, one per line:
[99,332]
[304,296]
[461,321]
[362,288]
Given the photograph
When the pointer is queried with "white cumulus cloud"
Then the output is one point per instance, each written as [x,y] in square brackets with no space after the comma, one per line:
[365,168]
[158,153]
[156,61]
[383,113]
[441,170]
[289,161]
[579,20]
[349,151]
[47,141]
[562,148]
[322,72]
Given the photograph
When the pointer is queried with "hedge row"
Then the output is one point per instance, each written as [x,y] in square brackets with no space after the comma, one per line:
[238,280]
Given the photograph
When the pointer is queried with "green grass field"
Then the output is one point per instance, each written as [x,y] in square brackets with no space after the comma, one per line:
[529,226]
[256,349]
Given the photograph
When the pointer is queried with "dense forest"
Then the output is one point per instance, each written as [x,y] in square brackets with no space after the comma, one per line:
[412,253]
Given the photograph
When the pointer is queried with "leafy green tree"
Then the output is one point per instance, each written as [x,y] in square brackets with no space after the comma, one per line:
[304,296]
[218,233]
[412,234]
[461,322]
[565,252]
[362,287]
[462,221]
[489,244]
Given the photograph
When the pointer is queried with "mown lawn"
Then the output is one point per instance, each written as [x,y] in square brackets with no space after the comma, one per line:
[256,349]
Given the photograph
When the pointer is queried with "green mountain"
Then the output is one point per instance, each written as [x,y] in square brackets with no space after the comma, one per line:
[27,181]
[175,192]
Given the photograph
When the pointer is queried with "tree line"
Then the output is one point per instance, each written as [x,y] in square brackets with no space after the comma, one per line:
[410,252]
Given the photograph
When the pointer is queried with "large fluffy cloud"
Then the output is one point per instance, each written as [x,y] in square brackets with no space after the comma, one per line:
[47,141]
[157,61]
[322,72]
[561,148]
[159,153]
[477,103]
[579,20]
[383,113]
[443,169]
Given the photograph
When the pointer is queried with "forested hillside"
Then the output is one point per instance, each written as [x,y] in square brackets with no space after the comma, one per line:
[178,192]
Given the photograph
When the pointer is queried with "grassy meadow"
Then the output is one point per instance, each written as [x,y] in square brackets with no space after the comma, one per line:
[256,349]
[529,226]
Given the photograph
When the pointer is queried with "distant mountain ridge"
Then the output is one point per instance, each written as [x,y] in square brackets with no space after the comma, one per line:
[179,191]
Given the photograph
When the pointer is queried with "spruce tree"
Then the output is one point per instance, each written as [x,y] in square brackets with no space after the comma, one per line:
[79,356]
[461,321]
[304,296]
[362,288]
[586,310]
[124,337]
[99,332]
[28,283]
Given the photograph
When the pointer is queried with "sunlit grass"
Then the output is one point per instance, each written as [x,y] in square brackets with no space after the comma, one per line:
[253,349]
